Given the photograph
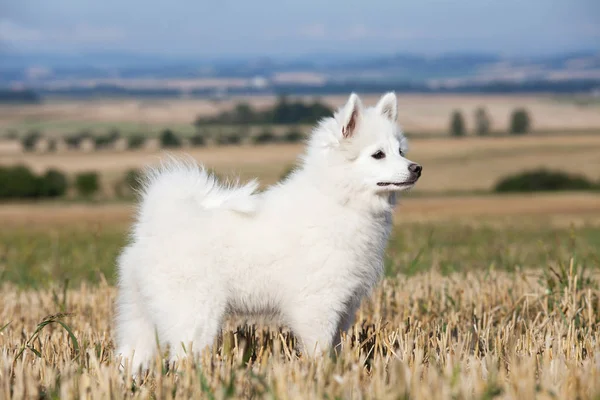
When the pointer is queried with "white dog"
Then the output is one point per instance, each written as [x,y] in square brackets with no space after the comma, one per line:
[306,250]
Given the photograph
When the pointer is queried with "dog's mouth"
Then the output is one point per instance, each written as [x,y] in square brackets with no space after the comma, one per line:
[405,183]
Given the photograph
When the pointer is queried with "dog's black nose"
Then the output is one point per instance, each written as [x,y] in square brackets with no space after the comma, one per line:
[415,168]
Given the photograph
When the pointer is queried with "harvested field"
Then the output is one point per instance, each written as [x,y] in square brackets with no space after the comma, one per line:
[417,113]
[450,165]
[484,297]
[557,208]
[474,336]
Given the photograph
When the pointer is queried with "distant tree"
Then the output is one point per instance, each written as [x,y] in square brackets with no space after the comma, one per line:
[483,122]
[30,140]
[293,136]
[108,140]
[198,139]
[53,184]
[133,179]
[52,144]
[282,113]
[73,141]
[264,137]
[18,182]
[457,124]
[520,122]
[243,114]
[87,183]
[8,96]
[168,139]
[130,184]
[136,141]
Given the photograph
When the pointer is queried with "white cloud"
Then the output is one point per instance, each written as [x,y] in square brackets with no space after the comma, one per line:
[12,32]
[69,37]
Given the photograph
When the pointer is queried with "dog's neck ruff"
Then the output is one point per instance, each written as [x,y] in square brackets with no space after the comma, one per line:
[343,193]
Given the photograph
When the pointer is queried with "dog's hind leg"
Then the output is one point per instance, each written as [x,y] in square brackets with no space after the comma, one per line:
[189,319]
[136,338]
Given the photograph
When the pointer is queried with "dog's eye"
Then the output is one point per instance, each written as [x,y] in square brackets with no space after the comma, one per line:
[378,155]
[401,152]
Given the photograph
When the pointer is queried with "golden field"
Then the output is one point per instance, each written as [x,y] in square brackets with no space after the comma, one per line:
[560,209]
[480,334]
[449,165]
[418,113]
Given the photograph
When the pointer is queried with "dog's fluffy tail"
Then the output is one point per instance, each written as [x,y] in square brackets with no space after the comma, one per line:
[177,184]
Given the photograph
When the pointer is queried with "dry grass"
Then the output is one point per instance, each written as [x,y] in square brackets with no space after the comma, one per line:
[418,113]
[473,309]
[472,335]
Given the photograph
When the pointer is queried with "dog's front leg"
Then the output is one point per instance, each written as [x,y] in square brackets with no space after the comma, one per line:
[346,322]
[315,328]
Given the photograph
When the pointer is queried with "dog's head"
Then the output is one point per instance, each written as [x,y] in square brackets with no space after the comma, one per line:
[366,148]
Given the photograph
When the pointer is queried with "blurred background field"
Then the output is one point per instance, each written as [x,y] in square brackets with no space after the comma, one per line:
[492,285]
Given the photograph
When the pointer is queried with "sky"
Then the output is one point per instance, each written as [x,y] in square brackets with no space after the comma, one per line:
[290,28]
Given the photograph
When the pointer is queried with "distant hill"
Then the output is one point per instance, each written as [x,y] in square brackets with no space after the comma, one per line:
[128,73]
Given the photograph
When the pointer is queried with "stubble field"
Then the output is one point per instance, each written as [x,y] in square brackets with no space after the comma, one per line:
[482,308]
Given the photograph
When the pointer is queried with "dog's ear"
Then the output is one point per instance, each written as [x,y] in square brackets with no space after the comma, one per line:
[388,106]
[351,114]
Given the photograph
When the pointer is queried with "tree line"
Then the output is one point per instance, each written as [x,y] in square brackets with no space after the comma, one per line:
[519,123]
[284,112]
[19,182]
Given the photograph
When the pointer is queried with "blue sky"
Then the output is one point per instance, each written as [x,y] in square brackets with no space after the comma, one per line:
[280,27]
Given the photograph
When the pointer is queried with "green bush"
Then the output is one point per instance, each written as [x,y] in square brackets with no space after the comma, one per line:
[52,145]
[293,136]
[520,122]
[87,183]
[264,137]
[543,180]
[229,138]
[30,140]
[108,140]
[133,178]
[168,139]
[74,141]
[457,124]
[136,141]
[483,122]
[53,184]
[198,140]
[284,112]
[130,184]
[18,182]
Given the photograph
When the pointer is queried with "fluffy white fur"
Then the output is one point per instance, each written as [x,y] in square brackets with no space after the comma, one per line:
[306,250]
